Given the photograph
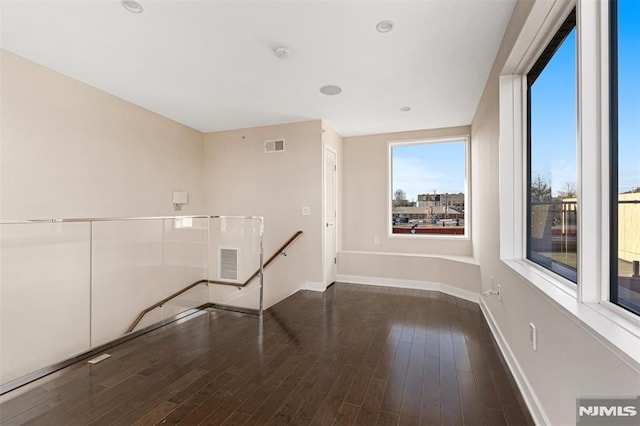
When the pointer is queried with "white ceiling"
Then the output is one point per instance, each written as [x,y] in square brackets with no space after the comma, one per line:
[210,64]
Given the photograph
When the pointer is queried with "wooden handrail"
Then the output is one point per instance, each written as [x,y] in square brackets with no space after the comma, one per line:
[190,286]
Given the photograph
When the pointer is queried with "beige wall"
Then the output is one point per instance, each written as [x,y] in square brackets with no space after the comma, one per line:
[366,197]
[570,362]
[414,262]
[241,179]
[70,150]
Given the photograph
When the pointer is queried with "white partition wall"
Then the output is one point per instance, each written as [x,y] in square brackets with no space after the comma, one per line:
[185,262]
[136,263]
[70,286]
[44,295]
[234,256]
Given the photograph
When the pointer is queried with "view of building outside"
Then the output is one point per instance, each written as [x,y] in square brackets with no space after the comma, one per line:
[428,181]
[553,205]
[553,238]
[625,285]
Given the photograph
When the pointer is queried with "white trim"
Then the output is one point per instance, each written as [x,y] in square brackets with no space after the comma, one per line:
[542,23]
[605,155]
[411,284]
[314,286]
[326,148]
[466,138]
[617,333]
[511,159]
[462,259]
[531,400]
[589,141]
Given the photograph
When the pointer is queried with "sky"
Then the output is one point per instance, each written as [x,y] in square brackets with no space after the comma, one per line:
[553,119]
[554,108]
[629,94]
[424,168]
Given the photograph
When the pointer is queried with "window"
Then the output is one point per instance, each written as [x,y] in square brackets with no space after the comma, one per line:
[428,193]
[625,154]
[552,232]
[602,303]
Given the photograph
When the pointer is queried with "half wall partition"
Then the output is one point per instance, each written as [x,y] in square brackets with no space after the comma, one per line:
[71,286]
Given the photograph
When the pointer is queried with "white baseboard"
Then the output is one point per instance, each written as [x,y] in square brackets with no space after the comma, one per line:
[529,396]
[418,285]
[314,286]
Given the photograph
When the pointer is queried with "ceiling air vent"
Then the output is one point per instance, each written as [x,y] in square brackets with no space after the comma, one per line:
[274,146]
[228,264]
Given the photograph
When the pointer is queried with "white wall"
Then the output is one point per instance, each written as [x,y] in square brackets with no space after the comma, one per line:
[241,179]
[135,264]
[70,150]
[570,361]
[44,295]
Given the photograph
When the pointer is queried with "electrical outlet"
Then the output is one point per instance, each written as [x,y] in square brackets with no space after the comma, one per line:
[533,338]
[500,292]
[376,241]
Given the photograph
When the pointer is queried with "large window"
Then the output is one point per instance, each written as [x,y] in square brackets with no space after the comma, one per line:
[574,116]
[552,174]
[428,187]
[625,149]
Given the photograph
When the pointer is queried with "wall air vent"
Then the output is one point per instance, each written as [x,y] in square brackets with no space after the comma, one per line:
[274,146]
[228,262]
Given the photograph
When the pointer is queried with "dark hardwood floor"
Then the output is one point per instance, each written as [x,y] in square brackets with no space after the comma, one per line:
[352,355]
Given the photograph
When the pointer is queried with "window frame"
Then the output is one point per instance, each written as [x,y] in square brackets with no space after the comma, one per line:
[614,199]
[467,187]
[588,303]
[613,150]
[540,64]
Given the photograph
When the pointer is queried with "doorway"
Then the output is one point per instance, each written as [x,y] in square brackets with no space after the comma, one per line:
[330,216]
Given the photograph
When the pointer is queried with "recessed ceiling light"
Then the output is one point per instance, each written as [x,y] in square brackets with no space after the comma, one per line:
[405,109]
[282,52]
[330,90]
[132,6]
[384,26]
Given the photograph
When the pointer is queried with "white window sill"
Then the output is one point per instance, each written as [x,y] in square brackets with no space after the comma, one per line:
[451,237]
[618,332]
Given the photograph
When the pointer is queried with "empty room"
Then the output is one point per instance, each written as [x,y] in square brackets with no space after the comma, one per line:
[419,212]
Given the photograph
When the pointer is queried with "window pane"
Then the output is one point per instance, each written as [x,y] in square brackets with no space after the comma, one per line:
[428,188]
[626,282]
[552,202]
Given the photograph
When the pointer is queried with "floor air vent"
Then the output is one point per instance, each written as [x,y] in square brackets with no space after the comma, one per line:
[274,146]
[228,264]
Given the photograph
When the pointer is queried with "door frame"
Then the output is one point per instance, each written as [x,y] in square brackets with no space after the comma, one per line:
[325,279]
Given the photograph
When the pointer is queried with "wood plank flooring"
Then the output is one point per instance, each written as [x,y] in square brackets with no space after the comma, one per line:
[354,355]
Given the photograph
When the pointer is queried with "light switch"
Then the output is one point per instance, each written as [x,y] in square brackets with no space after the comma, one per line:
[180,198]
[306,211]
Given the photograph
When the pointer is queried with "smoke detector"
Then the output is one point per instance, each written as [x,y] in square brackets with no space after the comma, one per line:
[132,6]
[331,90]
[282,52]
[384,26]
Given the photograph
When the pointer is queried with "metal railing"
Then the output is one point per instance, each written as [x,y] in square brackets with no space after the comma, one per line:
[259,273]
[92,274]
